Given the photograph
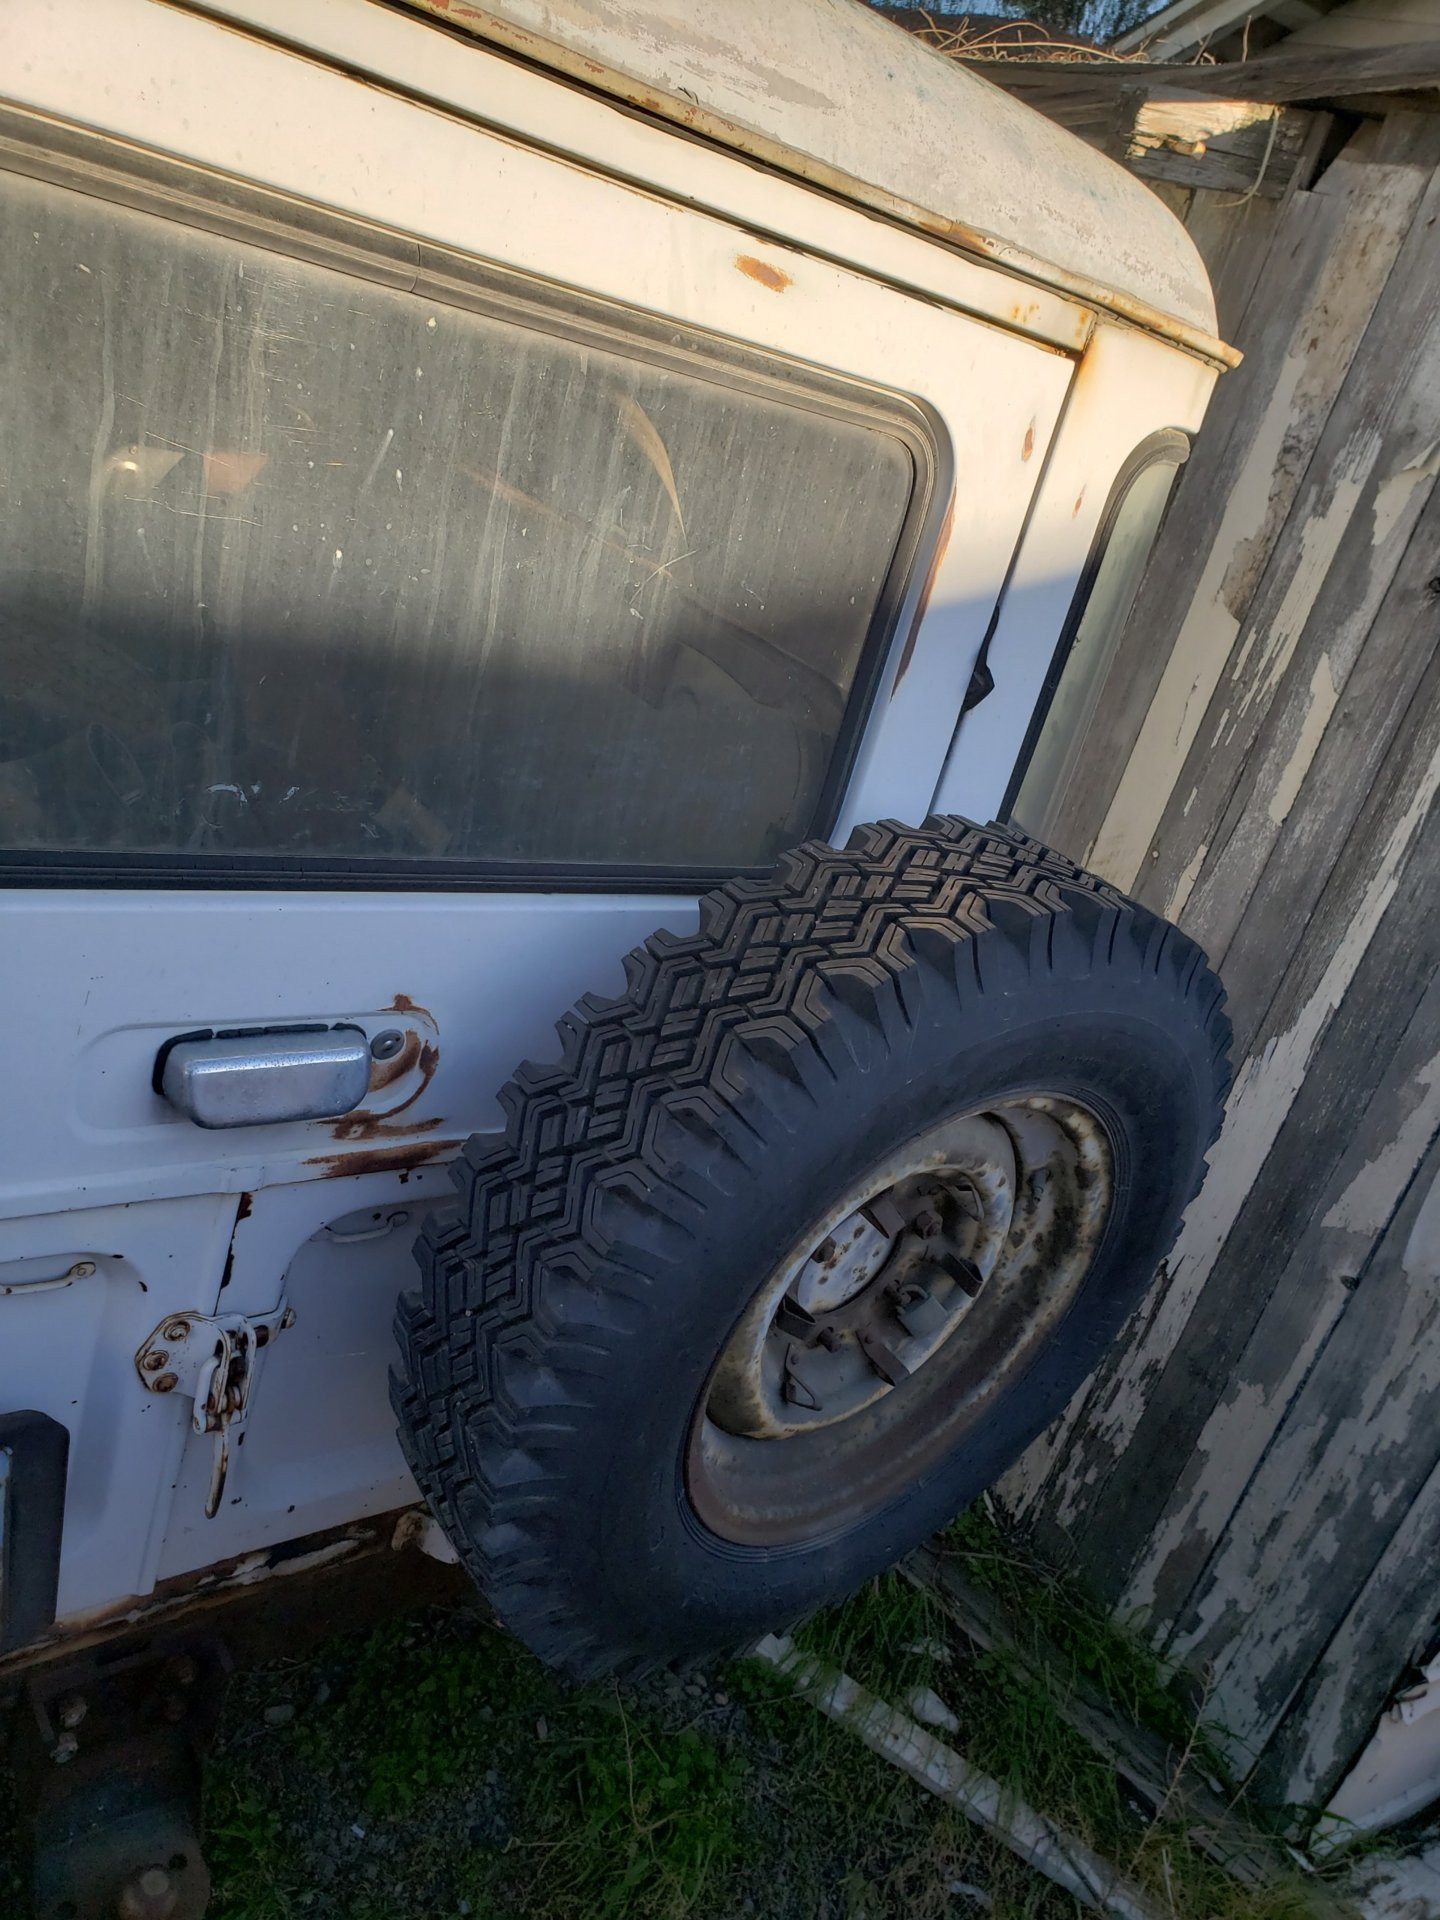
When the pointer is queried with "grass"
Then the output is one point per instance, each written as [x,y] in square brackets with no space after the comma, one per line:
[432,1770]
[894,1637]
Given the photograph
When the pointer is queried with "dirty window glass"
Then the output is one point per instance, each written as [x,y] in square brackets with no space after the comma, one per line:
[292,563]
[1127,537]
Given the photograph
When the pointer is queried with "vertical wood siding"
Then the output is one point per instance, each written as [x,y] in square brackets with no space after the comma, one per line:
[1257,1469]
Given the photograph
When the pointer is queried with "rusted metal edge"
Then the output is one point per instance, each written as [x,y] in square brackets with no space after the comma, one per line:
[974,242]
[188,1595]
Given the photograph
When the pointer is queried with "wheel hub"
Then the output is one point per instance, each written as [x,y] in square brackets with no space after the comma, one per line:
[929,1284]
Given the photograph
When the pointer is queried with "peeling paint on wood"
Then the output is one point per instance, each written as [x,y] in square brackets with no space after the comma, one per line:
[1256,1474]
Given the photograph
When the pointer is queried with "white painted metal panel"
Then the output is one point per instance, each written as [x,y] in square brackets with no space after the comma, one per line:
[475,980]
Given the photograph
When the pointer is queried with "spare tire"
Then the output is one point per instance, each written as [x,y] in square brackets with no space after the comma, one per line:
[804,1238]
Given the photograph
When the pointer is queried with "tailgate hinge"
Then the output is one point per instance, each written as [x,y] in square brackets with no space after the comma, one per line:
[211,1359]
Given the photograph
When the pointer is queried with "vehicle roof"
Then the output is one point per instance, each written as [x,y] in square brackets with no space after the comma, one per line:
[833,92]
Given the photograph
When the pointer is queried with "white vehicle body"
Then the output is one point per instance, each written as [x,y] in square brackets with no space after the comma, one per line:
[1020,341]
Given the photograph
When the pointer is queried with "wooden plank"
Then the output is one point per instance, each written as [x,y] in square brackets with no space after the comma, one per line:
[1352,1455]
[1391,1623]
[1324,272]
[1227,146]
[1294,1098]
[1176,198]
[1372,471]
[1315,365]
[1234,243]
[1254,1347]
[1280,79]
[1378,694]
[1065,1473]
[1390,1131]
[1153,1768]
[1234,234]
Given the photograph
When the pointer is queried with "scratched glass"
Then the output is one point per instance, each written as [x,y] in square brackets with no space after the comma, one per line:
[295,564]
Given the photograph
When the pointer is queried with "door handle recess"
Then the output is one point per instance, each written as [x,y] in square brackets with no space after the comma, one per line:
[261,1077]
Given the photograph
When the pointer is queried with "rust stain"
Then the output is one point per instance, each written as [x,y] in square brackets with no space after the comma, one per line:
[1079,502]
[947,527]
[384,1073]
[762,272]
[383,1159]
[402,1003]
[364,1125]
[1027,445]
[368,1126]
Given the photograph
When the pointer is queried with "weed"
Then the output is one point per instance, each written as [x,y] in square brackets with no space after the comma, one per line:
[658,1815]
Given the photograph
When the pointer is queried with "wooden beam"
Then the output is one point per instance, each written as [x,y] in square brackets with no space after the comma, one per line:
[1221,145]
[1318,74]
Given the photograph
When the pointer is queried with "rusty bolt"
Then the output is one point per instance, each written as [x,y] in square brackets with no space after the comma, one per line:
[176,1329]
[150,1894]
[825,1250]
[165,1382]
[71,1710]
[154,1361]
[927,1224]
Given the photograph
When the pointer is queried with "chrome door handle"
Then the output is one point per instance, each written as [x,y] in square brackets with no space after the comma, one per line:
[261,1077]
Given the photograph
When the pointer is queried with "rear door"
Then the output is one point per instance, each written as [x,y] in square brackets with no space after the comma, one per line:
[424,567]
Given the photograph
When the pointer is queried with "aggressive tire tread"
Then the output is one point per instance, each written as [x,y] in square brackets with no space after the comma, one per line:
[531,1287]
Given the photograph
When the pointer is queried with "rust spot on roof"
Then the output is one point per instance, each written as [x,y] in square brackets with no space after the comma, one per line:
[1027,445]
[383,1159]
[762,272]
[1079,502]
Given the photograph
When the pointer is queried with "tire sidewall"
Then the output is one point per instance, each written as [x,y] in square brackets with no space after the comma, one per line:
[1110,1041]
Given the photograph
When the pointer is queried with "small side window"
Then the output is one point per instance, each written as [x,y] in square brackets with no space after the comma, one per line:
[1092,631]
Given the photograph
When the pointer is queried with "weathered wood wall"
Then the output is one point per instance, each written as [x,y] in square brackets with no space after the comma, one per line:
[1257,1471]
